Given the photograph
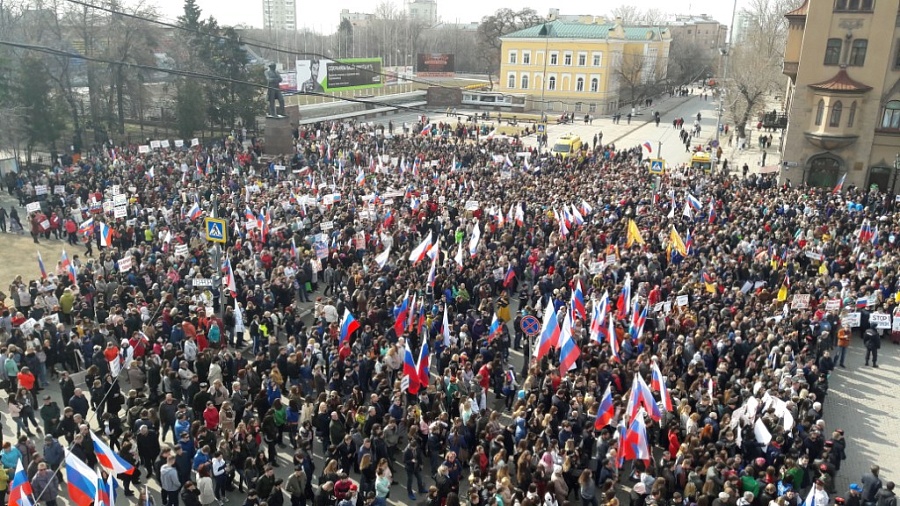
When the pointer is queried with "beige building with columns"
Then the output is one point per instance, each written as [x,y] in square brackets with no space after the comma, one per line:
[842,59]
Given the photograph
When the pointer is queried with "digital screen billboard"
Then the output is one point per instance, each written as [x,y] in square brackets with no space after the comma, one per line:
[435,65]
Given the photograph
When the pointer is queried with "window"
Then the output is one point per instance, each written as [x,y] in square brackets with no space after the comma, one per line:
[512,57]
[598,58]
[582,59]
[833,52]
[820,111]
[579,84]
[854,5]
[526,57]
[511,81]
[577,106]
[592,108]
[524,81]
[595,84]
[567,59]
[554,58]
[836,111]
[891,117]
[551,83]
[852,115]
[858,52]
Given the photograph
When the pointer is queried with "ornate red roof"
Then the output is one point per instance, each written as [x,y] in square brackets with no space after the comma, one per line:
[841,83]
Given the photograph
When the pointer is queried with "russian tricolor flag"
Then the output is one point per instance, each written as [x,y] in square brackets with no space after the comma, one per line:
[549,336]
[419,252]
[194,212]
[510,275]
[41,265]
[606,411]
[69,267]
[658,383]
[495,328]
[349,325]
[613,341]
[109,459]
[624,299]
[568,349]
[20,489]
[410,372]
[81,481]
[401,314]
[694,203]
[422,365]
[578,301]
[862,302]
[840,185]
[105,235]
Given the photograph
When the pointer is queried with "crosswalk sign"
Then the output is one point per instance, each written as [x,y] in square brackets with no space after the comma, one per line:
[656,166]
[216,230]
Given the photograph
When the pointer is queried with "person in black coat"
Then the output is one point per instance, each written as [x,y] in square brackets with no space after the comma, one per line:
[148,447]
[79,403]
[190,495]
[276,497]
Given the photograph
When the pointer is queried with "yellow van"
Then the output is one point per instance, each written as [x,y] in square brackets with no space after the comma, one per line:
[701,160]
[567,145]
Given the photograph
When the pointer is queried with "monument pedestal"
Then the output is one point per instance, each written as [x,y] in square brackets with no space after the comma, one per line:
[279,132]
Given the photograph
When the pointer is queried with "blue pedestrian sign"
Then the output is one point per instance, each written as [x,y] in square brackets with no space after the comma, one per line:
[656,166]
[530,326]
[215,230]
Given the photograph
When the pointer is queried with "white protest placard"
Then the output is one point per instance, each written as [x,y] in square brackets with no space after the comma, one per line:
[611,259]
[279,168]
[682,300]
[800,301]
[851,319]
[154,144]
[498,273]
[116,189]
[389,202]
[164,143]
[658,307]
[120,200]
[759,284]
[195,142]
[120,212]
[28,326]
[321,250]
[132,189]
[747,287]
[833,305]
[896,323]
[522,154]
[250,225]
[181,250]
[41,189]
[179,143]
[59,189]
[108,206]
[202,282]
[667,307]
[880,320]
[472,205]
[761,433]
[435,163]
[597,267]
[143,149]
[442,200]
[360,240]
[32,207]
[815,256]
[125,264]
[326,225]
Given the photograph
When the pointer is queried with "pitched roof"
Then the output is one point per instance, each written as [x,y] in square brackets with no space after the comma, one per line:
[841,83]
[562,30]
[799,11]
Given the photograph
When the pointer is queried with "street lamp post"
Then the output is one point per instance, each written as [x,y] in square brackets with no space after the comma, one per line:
[719,105]
[546,31]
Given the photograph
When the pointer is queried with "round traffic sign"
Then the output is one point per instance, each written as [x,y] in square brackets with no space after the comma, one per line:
[530,326]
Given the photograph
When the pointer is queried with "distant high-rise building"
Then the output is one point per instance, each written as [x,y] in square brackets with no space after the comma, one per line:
[424,11]
[279,14]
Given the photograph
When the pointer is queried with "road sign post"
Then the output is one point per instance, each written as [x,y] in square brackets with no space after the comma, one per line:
[216,230]
[657,165]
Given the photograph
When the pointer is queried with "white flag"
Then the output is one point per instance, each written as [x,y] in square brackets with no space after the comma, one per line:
[473,242]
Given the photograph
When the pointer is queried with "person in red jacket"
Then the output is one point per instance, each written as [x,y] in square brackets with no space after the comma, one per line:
[26,379]
[72,231]
[211,416]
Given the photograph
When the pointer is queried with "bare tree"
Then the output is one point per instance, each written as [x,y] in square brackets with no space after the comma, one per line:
[754,65]
[495,26]
[639,76]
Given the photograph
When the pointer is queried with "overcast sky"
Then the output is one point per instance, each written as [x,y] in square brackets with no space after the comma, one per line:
[323,17]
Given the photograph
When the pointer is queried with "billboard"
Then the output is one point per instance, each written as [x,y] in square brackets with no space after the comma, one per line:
[397,75]
[318,76]
[435,65]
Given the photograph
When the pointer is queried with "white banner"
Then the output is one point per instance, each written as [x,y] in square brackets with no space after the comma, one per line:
[33,207]
[41,189]
[880,320]
[851,319]
[182,250]
[125,264]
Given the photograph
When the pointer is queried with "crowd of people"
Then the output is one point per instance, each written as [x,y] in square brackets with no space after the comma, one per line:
[203,371]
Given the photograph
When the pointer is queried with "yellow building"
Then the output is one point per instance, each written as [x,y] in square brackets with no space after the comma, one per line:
[842,58]
[589,68]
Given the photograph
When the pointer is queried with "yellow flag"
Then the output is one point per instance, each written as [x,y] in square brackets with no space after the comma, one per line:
[710,287]
[633,234]
[782,293]
[823,269]
[677,242]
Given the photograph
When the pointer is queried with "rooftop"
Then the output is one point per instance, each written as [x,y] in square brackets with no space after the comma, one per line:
[841,83]
[563,30]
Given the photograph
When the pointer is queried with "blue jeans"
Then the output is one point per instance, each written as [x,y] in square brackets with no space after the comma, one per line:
[842,352]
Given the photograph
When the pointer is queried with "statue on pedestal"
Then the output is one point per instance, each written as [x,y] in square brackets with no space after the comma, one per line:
[273,81]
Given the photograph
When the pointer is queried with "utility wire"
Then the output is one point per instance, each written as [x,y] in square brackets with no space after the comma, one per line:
[263,45]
